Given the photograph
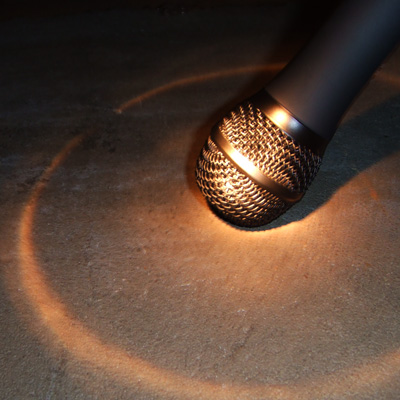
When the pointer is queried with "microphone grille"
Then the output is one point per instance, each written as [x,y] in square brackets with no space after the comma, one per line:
[230,192]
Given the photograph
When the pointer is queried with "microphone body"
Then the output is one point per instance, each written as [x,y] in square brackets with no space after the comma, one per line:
[262,157]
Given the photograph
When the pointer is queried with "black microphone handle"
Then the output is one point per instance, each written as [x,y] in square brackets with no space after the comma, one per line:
[319,84]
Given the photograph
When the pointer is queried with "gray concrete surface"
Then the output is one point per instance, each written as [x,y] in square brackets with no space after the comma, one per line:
[117,281]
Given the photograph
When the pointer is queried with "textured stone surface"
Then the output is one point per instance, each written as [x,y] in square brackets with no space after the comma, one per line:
[117,281]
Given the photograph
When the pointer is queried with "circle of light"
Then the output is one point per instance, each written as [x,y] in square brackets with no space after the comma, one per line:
[85,346]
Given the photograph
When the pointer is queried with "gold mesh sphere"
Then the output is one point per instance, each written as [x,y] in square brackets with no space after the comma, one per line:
[231,193]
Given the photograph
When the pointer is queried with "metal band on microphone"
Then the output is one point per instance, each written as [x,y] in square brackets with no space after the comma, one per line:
[289,124]
[253,172]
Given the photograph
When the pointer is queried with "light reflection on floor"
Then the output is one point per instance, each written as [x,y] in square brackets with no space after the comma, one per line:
[84,345]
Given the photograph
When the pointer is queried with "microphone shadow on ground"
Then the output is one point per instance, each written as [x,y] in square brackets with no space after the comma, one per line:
[359,143]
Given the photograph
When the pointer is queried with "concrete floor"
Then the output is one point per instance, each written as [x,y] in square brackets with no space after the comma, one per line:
[117,281]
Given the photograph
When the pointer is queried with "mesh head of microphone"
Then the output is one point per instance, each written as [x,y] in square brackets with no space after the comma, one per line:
[232,194]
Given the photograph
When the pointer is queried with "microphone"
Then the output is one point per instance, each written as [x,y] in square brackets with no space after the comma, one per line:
[264,154]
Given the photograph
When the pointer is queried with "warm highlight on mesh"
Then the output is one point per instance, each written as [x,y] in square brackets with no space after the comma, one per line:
[271,150]
[244,204]
[233,195]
